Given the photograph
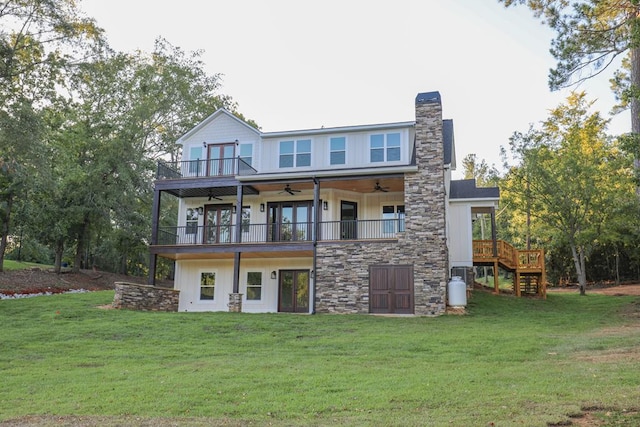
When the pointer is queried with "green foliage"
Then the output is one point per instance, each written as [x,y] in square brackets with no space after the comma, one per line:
[576,183]
[510,361]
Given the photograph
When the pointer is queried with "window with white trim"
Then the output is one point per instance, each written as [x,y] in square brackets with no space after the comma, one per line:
[196,161]
[295,153]
[384,147]
[337,150]
[254,286]
[393,217]
[246,153]
[207,286]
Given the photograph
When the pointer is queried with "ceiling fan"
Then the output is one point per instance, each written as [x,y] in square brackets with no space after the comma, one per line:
[288,189]
[211,196]
[378,187]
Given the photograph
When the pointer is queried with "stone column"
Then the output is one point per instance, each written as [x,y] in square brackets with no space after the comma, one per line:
[235,303]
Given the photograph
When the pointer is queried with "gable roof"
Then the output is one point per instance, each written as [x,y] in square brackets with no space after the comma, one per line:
[219,112]
[466,189]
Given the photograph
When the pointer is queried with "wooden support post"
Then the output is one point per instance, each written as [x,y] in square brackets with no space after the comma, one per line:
[516,283]
[496,277]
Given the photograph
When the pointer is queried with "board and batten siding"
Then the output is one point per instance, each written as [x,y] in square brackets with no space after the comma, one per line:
[357,150]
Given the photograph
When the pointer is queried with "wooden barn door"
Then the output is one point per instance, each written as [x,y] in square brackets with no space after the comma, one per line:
[391,289]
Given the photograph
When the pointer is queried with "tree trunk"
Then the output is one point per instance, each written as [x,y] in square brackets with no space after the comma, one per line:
[57,266]
[578,260]
[5,230]
[77,263]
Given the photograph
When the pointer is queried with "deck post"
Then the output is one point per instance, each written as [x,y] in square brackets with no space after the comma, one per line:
[496,277]
[516,283]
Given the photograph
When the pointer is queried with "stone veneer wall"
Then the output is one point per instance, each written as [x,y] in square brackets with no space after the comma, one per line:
[342,275]
[144,297]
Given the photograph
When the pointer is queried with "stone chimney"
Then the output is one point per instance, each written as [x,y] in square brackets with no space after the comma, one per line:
[425,200]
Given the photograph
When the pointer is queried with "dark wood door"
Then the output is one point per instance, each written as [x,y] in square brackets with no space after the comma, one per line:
[293,292]
[348,220]
[391,289]
[221,159]
[217,225]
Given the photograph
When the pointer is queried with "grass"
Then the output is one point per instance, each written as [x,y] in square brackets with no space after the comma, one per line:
[510,361]
[21,265]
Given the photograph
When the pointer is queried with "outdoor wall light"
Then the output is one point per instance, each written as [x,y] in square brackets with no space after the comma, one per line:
[325,206]
[261,207]
[234,210]
[273,274]
[204,143]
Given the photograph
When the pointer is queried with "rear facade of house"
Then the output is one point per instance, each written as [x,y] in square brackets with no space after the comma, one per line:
[333,220]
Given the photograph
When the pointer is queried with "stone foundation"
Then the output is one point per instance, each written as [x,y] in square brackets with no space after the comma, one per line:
[133,296]
[235,303]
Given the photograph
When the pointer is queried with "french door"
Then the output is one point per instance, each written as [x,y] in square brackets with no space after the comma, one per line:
[217,225]
[293,291]
[221,159]
[289,221]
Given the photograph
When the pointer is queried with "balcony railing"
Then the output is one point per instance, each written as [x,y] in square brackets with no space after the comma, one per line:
[202,168]
[380,229]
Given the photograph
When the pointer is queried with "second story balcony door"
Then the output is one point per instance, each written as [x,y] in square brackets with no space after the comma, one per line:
[348,220]
[221,159]
[289,221]
[217,224]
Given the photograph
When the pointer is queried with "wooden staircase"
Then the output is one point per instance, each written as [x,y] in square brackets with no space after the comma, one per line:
[527,266]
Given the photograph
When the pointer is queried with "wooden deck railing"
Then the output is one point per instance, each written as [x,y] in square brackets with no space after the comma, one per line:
[521,262]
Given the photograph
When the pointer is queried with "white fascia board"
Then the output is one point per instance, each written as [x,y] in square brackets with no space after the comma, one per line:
[492,200]
[343,129]
[327,173]
[211,117]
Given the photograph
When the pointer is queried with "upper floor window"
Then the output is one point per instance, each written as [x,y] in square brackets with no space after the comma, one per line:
[196,161]
[393,219]
[337,153]
[246,153]
[295,153]
[385,147]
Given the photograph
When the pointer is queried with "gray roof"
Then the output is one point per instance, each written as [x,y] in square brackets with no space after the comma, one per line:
[466,189]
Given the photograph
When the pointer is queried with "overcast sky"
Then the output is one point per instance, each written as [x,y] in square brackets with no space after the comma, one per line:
[296,64]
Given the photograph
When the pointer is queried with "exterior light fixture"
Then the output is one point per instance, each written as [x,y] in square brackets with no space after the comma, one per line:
[325,206]
[234,210]
[261,207]
[204,143]
[273,274]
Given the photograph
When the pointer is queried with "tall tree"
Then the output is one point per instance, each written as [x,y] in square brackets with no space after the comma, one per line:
[590,35]
[37,39]
[574,178]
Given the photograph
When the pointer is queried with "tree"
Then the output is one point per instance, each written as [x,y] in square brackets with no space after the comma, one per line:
[37,39]
[574,177]
[590,35]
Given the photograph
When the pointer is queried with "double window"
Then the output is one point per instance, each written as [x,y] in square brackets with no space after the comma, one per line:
[337,150]
[384,147]
[295,153]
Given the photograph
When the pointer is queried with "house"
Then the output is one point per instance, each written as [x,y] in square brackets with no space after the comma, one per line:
[357,219]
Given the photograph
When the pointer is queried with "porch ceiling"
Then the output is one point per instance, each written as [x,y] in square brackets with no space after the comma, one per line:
[358,185]
[229,255]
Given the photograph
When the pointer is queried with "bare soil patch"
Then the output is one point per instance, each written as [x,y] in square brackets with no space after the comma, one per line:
[37,280]
[622,290]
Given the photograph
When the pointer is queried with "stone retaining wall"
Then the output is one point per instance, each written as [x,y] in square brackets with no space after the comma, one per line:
[133,296]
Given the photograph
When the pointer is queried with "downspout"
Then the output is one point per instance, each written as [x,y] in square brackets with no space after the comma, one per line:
[316,225]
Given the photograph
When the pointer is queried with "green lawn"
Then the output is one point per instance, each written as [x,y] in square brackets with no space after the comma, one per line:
[20,265]
[510,361]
